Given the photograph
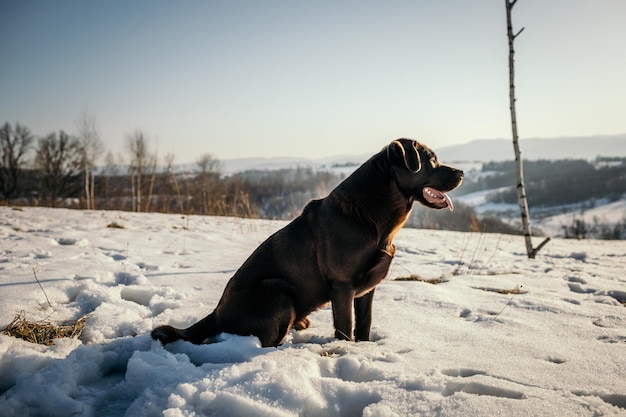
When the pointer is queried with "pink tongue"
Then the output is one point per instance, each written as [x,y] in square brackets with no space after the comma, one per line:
[437,197]
[448,201]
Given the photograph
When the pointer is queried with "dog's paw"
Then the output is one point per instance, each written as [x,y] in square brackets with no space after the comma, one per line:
[339,335]
[166,334]
[302,324]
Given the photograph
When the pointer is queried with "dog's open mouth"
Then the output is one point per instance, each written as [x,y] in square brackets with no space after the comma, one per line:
[437,198]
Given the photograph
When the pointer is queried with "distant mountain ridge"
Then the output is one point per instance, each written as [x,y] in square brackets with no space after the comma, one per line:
[478,150]
[583,147]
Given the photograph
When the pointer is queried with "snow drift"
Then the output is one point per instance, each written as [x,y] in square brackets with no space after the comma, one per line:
[500,335]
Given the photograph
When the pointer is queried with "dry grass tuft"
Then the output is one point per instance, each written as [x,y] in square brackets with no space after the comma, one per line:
[514,291]
[43,332]
[115,225]
[414,277]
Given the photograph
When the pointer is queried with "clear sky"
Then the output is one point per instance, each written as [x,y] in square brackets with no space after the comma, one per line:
[311,78]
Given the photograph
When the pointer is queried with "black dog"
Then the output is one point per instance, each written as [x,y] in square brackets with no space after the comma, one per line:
[337,250]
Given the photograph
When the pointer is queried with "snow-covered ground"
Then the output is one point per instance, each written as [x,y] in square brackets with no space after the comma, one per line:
[550,220]
[458,348]
[604,212]
[481,204]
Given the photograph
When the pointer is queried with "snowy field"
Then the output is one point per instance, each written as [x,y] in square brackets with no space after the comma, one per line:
[459,348]
[550,220]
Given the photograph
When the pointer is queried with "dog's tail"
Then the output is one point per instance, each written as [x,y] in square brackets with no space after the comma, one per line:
[197,333]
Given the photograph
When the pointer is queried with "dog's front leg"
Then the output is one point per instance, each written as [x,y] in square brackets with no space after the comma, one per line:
[342,298]
[363,313]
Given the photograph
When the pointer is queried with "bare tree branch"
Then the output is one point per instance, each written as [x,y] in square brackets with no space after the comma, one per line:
[58,158]
[142,163]
[519,172]
[90,148]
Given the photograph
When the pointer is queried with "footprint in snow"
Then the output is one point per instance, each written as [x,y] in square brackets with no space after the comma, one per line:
[124,278]
[617,400]
[620,296]
[577,280]
[612,339]
[462,384]
[42,254]
[462,372]
[571,301]
[610,322]
[113,254]
[557,360]
[68,241]
[578,289]
[465,313]
[147,267]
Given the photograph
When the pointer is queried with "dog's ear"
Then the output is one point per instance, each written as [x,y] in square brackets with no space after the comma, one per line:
[405,151]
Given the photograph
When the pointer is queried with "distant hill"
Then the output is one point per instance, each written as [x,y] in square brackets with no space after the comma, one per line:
[584,147]
[333,163]
[479,150]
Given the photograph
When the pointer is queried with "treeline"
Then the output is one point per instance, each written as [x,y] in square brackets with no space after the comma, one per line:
[65,170]
[553,183]
[260,194]
[579,228]
[51,174]
[59,169]
[281,194]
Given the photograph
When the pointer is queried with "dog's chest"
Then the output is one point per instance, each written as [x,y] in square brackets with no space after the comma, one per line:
[399,224]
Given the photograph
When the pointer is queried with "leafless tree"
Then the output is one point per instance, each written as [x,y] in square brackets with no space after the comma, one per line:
[58,158]
[209,173]
[14,144]
[109,170]
[173,184]
[153,174]
[142,163]
[90,148]
[521,188]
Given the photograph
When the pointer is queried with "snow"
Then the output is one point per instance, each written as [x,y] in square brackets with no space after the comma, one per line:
[606,212]
[550,220]
[480,202]
[458,348]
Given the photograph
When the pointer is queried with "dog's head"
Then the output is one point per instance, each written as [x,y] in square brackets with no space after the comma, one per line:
[420,176]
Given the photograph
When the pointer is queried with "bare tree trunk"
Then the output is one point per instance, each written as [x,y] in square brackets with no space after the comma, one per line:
[138,191]
[181,201]
[169,160]
[140,156]
[87,183]
[209,172]
[90,148]
[93,191]
[152,181]
[521,188]
[133,200]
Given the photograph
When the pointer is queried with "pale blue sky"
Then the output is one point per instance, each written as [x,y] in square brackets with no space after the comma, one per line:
[311,78]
